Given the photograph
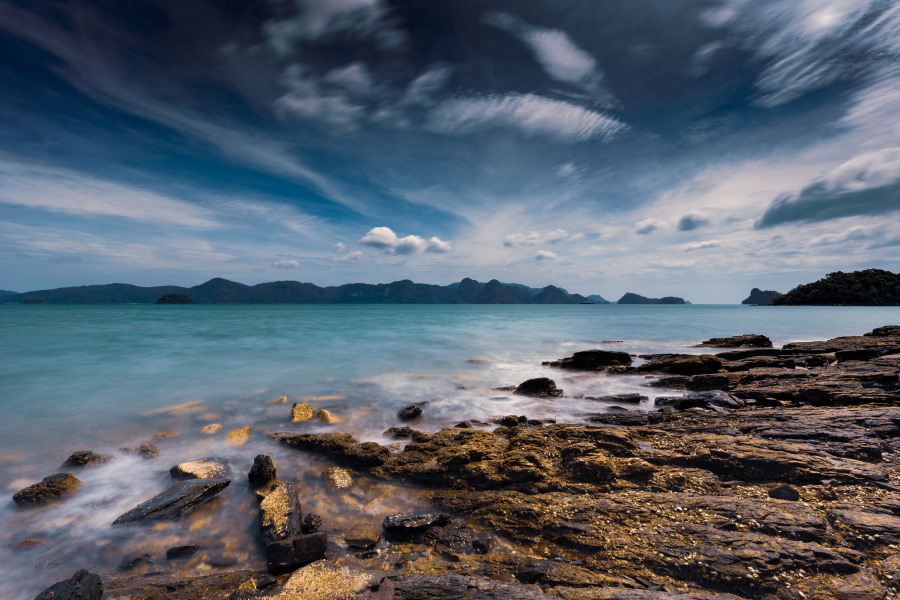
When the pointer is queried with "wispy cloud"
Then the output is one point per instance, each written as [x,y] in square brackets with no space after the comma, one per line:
[533,238]
[546,255]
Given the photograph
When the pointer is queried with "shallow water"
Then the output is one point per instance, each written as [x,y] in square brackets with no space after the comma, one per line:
[107,377]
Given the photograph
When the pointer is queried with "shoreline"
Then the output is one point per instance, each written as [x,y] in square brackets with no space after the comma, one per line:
[631,505]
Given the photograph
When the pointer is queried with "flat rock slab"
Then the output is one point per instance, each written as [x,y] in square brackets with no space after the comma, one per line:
[279,514]
[81,586]
[294,552]
[50,488]
[211,467]
[754,340]
[452,587]
[175,501]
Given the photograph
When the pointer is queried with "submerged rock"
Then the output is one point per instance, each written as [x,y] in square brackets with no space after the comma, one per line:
[538,387]
[50,488]
[279,514]
[203,468]
[408,525]
[238,437]
[294,552]
[362,535]
[181,498]
[301,412]
[80,586]
[263,470]
[178,552]
[82,458]
[341,446]
[409,413]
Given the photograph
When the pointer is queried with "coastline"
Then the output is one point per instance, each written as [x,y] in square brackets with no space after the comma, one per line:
[633,505]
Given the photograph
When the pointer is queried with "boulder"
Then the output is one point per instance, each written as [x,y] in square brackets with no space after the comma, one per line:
[181,498]
[784,492]
[409,413]
[301,412]
[327,417]
[754,340]
[311,523]
[81,586]
[294,552]
[148,450]
[263,470]
[83,458]
[211,467]
[362,535]
[337,478]
[592,360]
[279,514]
[538,387]
[50,488]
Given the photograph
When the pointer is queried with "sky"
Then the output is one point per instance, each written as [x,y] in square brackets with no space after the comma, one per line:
[695,148]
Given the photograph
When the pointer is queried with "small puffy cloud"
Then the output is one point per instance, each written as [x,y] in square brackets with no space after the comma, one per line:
[702,245]
[868,184]
[545,256]
[646,226]
[528,113]
[288,263]
[692,222]
[384,237]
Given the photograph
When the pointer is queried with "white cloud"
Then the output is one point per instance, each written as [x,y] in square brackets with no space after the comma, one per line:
[532,115]
[422,89]
[533,238]
[354,256]
[702,245]
[384,237]
[546,255]
[647,226]
[566,169]
[340,247]
[307,99]
[353,78]
[291,263]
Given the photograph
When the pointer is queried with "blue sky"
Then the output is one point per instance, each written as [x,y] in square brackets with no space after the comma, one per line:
[692,147]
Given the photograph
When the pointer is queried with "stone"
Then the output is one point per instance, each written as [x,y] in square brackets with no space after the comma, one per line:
[148,450]
[179,552]
[409,413]
[263,470]
[538,387]
[681,364]
[592,360]
[28,543]
[784,492]
[179,499]
[337,478]
[238,437]
[301,412]
[362,535]
[202,468]
[50,488]
[327,581]
[339,446]
[311,523]
[81,586]
[130,562]
[294,552]
[211,429]
[406,525]
[619,398]
[704,399]
[82,458]
[279,514]
[754,340]
[327,417]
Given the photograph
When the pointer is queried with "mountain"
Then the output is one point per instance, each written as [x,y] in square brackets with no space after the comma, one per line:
[223,291]
[871,287]
[7,293]
[760,297]
[598,299]
[631,298]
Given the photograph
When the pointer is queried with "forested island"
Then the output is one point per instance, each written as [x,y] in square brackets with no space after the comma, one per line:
[871,287]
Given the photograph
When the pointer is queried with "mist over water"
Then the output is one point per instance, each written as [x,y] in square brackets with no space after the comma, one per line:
[103,378]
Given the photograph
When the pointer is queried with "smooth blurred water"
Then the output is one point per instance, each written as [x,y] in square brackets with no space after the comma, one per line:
[100,378]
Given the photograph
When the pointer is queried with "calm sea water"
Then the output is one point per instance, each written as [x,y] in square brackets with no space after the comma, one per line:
[107,377]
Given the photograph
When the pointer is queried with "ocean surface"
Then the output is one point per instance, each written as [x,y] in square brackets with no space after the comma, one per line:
[105,378]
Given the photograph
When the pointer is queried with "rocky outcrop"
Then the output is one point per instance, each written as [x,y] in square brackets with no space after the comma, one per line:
[591,360]
[263,470]
[181,498]
[340,446]
[83,458]
[81,586]
[753,340]
[50,488]
[301,412]
[409,413]
[279,514]
[538,387]
[760,297]
[202,468]
[681,364]
[294,552]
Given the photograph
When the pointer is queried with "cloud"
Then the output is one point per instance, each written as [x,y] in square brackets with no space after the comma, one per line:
[868,184]
[340,247]
[307,99]
[287,264]
[555,51]
[702,245]
[566,169]
[530,114]
[353,78]
[384,237]
[354,256]
[545,255]
[533,238]
[647,226]
[692,222]
[422,89]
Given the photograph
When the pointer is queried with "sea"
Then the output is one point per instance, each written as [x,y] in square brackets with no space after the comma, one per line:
[109,378]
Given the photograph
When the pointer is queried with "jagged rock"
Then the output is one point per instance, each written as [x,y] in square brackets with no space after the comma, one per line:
[681,364]
[785,492]
[263,470]
[294,552]
[50,488]
[279,514]
[538,387]
[591,360]
[337,478]
[211,467]
[753,340]
[301,412]
[81,586]
[81,458]
[181,498]
[362,536]
[409,413]
[341,446]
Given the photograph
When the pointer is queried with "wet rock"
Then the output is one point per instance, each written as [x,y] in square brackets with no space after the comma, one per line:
[28,543]
[130,562]
[179,552]
[311,523]
[704,399]
[362,535]
[682,364]
[461,587]
[181,498]
[50,488]
[83,458]
[708,382]
[538,387]
[407,525]
[301,412]
[406,433]
[279,514]
[885,331]
[784,492]
[619,398]
[340,446]
[178,586]
[337,478]
[81,586]
[238,437]
[148,450]
[409,413]
[326,580]
[874,527]
[211,429]
[211,467]
[327,417]
[263,470]
[294,552]
[592,360]
[737,341]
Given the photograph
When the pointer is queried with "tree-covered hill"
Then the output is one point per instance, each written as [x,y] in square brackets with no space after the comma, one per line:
[872,287]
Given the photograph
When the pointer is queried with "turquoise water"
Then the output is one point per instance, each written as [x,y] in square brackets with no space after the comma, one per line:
[102,377]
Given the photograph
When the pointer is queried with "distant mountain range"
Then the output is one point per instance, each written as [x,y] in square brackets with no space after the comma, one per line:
[630,298]
[7,293]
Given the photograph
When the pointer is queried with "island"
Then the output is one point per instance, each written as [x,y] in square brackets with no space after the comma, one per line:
[871,287]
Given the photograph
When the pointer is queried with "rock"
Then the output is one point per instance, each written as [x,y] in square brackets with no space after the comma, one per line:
[753,340]
[279,514]
[263,470]
[292,553]
[238,437]
[705,399]
[202,468]
[178,552]
[82,458]
[760,297]
[461,587]
[682,364]
[337,478]
[409,413]
[784,492]
[871,526]
[148,450]
[81,586]
[407,525]
[211,429]
[28,543]
[327,417]
[180,498]
[301,412]
[538,387]
[50,488]
[340,446]
[592,360]
[362,536]
[311,523]
[327,581]
[885,331]
[130,562]
[406,432]
[619,398]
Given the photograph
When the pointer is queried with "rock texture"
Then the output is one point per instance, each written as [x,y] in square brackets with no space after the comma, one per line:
[50,488]
[81,586]
[83,458]
[279,514]
[263,470]
[175,501]
[201,468]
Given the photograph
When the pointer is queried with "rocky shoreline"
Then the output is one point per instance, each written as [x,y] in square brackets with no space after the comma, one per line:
[773,476]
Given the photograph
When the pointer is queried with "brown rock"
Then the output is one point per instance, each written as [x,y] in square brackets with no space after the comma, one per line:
[301,412]
[294,552]
[50,488]
[279,514]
